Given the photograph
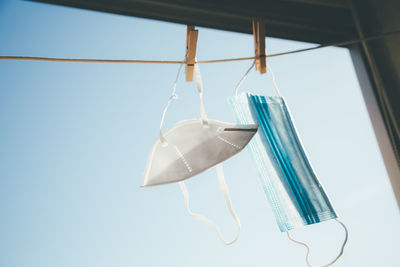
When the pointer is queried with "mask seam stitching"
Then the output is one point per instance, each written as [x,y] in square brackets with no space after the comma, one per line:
[230,143]
[183,158]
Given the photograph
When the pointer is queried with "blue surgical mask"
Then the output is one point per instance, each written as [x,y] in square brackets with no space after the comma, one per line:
[296,195]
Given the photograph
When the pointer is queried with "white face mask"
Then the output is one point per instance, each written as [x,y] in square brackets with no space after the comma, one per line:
[193,146]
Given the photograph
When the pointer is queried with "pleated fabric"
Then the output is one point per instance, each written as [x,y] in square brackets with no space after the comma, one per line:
[289,181]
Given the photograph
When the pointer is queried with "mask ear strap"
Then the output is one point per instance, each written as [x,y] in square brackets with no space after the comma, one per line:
[225,192]
[243,78]
[236,91]
[278,93]
[173,96]
[199,83]
[308,248]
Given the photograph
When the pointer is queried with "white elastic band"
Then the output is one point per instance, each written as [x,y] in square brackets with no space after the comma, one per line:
[247,73]
[199,83]
[273,80]
[225,192]
[172,97]
[244,78]
[308,248]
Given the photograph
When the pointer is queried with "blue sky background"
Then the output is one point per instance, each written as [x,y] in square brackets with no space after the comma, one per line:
[75,138]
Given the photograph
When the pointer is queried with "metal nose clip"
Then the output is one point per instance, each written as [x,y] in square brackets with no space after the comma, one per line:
[240,129]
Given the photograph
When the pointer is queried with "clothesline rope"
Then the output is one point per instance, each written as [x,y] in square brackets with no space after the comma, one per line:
[85,60]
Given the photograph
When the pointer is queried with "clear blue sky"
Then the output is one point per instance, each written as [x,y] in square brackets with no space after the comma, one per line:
[75,138]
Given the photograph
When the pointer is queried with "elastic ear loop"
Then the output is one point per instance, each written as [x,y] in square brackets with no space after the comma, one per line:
[199,83]
[172,97]
[225,192]
[247,73]
[308,248]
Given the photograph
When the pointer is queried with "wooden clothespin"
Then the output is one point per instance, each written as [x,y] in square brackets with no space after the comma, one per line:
[259,45]
[191,47]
